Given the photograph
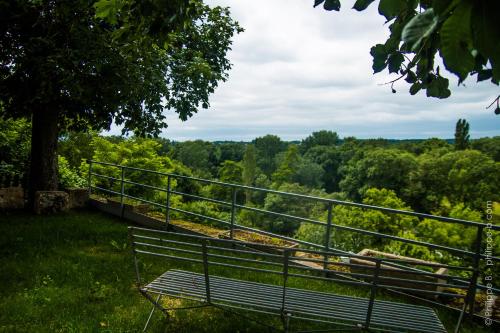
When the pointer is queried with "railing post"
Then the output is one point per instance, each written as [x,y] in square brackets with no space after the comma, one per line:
[205,269]
[167,213]
[328,233]
[373,293]
[122,191]
[233,208]
[285,317]
[90,177]
[475,275]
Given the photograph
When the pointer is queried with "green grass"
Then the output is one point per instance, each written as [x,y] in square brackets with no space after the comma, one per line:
[74,272]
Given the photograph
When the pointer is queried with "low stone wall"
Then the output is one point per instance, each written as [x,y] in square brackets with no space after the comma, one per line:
[78,197]
[11,198]
[47,202]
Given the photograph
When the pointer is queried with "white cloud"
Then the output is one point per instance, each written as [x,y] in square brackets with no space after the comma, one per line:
[297,69]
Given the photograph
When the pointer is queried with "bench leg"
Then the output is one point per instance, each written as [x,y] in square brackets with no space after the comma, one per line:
[286,321]
[151,314]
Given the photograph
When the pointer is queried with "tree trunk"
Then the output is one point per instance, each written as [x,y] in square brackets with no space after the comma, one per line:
[44,166]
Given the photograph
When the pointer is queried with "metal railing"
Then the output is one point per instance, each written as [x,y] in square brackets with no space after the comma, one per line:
[473,257]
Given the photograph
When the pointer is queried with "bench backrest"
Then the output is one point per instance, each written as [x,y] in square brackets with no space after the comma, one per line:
[225,256]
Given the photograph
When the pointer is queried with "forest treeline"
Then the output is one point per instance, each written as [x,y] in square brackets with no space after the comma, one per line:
[430,176]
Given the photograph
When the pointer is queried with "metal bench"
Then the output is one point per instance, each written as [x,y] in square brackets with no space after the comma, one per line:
[204,261]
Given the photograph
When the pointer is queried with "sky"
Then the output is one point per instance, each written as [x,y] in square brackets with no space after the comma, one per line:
[299,69]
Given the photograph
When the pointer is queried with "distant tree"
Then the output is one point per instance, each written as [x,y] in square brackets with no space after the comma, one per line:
[380,168]
[431,144]
[267,147]
[320,138]
[309,173]
[249,169]
[462,135]
[232,151]
[288,167]
[195,155]
[231,172]
[76,146]
[488,146]
[329,158]
[291,206]
[463,176]
[371,220]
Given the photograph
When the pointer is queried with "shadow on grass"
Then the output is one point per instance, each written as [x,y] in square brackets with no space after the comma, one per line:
[74,272]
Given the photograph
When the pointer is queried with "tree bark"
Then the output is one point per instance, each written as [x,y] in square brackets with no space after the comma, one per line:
[43,167]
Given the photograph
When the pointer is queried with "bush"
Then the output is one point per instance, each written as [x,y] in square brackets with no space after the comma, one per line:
[68,177]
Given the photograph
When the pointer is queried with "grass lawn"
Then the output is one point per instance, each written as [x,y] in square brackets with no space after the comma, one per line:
[74,272]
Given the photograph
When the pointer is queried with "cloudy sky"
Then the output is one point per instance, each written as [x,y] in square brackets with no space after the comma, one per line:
[297,70]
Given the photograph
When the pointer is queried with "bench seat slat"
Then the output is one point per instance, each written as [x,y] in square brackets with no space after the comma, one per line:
[404,317]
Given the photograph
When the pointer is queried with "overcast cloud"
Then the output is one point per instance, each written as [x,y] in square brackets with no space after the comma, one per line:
[297,70]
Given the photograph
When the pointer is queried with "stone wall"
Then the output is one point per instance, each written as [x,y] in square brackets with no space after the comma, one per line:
[11,198]
[47,202]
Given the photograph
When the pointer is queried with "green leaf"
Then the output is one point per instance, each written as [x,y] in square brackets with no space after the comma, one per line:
[395,61]
[318,2]
[438,87]
[486,33]
[485,74]
[456,41]
[415,88]
[419,28]
[332,5]
[362,4]
[391,8]
[106,10]
[411,77]
[379,55]
[440,6]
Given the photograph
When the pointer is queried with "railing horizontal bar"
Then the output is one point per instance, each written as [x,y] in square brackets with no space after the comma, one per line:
[104,176]
[201,198]
[263,262]
[404,240]
[216,263]
[383,277]
[144,200]
[327,200]
[438,293]
[167,256]
[323,278]
[105,190]
[262,232]
[164,240]
[298,218]
[388,261]
[145,185]
[167,248]
[270,255]
[385,269]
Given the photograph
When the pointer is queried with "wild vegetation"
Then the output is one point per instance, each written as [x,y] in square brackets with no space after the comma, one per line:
[454,179]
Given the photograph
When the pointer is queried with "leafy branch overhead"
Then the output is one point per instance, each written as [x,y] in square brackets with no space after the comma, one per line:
[465,34]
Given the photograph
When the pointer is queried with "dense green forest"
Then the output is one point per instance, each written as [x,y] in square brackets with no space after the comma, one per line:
[454,178]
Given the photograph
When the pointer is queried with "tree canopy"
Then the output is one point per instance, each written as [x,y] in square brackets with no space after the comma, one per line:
[75,65]
[465,34]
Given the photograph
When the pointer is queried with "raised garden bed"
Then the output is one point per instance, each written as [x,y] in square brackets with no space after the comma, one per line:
[130,205]
[399,273]
[186,226]
[253,237]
